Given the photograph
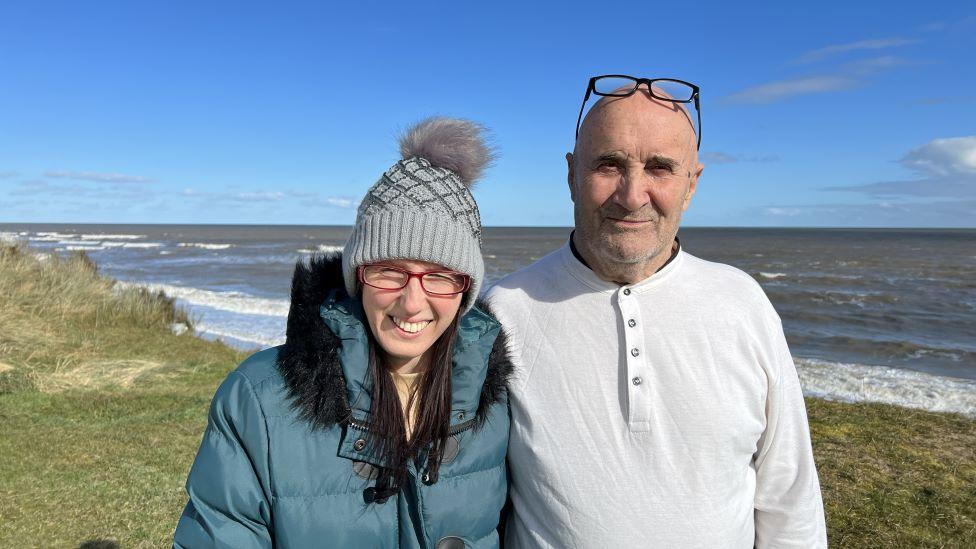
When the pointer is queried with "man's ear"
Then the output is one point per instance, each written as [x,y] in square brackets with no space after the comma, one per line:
[571,176]
[692,187]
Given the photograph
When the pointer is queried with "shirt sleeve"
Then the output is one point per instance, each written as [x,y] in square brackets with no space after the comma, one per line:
[788,504]
[228,488]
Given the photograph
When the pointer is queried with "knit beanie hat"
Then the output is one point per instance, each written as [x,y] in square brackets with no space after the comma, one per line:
[421,208]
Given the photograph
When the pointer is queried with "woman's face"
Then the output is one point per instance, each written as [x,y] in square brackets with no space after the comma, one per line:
[407,322]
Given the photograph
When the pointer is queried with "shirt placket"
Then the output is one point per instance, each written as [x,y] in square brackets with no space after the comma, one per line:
[638,391]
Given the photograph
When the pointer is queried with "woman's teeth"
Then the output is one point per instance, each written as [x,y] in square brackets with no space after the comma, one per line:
[411,327]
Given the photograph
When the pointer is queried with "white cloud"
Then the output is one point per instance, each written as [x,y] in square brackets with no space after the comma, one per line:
[836,49]
[8,175]
[342,202]
[98,177]
[775,210]
[947,169]
[872,65]
[783,89]
[878,213]
[717,157]
[943,157]
[262,196]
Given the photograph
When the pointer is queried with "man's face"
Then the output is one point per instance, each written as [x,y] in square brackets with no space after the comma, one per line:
[633,175]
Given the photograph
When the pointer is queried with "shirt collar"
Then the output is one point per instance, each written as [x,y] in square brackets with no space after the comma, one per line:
[580,270]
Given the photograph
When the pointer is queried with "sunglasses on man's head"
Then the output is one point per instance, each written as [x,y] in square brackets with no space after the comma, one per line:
[664,89]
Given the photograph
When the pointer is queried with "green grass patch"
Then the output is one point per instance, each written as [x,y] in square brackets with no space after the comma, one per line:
[103,407]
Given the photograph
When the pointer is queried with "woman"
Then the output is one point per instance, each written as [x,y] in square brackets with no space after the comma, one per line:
[383,420]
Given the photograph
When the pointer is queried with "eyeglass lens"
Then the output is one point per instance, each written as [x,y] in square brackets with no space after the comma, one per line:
[387,278]
[662,89]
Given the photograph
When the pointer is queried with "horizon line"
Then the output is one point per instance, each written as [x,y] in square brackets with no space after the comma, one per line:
[567,227]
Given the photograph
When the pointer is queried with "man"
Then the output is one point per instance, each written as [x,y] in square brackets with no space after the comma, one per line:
[655,402]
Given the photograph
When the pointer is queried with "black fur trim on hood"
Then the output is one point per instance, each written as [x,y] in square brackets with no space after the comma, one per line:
[309,359]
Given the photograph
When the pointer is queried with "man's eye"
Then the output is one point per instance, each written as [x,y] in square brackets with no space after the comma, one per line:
[659,170]
[606,167]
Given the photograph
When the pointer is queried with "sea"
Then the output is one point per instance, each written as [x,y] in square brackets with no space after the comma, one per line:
[886,315]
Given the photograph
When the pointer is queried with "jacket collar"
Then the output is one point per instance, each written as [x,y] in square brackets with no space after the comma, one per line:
[324,360]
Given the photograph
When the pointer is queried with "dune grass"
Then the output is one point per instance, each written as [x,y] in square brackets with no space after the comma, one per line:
[103,407]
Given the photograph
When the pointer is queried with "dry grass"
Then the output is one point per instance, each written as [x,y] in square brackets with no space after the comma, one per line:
[97,375]
[64,325]
[102,406]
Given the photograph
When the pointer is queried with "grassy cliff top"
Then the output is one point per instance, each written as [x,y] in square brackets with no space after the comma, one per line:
[103,407]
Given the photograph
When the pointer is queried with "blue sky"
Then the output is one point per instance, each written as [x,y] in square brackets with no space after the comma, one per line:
[826,114]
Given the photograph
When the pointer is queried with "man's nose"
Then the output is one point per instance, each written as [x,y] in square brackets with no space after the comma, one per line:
[412,297]
[631,192]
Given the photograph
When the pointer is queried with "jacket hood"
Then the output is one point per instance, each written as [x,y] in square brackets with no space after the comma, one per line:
[323,360]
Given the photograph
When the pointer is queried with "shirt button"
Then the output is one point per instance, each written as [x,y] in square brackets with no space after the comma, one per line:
[635,352]
[637,380]
[632,323]
[359,445]
[626,291]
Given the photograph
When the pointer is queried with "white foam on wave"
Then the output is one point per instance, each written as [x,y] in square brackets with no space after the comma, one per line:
[110,244]
[53,237]
[231,301]
[111,236]
[10,237]
[322,248]
[204,245]
[54,234]
[81,248]
[772,276]
[247,337]
[860,383]
[141,245]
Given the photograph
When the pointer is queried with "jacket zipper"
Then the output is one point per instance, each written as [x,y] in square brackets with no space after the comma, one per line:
[456,430]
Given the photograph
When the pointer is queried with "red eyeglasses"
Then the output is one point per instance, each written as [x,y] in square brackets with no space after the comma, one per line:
[388,277]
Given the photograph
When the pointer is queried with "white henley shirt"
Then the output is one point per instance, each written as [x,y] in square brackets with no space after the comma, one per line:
[666,413]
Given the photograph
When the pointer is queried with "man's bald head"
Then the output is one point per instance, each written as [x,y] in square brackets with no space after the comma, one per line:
[681,119]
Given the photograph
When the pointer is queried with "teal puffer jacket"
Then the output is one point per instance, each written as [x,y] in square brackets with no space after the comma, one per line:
[284,462]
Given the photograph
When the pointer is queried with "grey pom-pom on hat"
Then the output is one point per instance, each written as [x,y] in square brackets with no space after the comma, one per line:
[422,208]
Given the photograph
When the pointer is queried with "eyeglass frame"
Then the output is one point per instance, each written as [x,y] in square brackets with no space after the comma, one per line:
[591,88]
[410,275]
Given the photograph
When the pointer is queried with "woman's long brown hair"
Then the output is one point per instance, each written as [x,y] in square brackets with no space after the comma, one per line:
[431,426]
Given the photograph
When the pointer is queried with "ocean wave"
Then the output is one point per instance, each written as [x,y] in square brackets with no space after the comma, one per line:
[131,244]
[111,236]
[240,335]
[772,276]
[322,248]
[53,237]
[10,237]
[81,248]
[230,301]
[204,245]
[864,383]
[139,245]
